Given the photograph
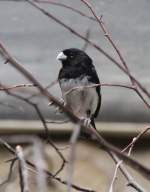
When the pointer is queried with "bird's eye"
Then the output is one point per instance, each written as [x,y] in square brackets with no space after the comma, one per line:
[71,56]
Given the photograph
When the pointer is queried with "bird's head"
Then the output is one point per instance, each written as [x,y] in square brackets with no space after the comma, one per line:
[72,57]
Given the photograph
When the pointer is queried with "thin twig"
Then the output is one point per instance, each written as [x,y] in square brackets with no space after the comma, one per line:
[131,87]
[87,36]
[131,181]
[130,148]
[114,176]
[66,7]
[9,173]
[16,86]
[136,139]
[58,122]
[47,87]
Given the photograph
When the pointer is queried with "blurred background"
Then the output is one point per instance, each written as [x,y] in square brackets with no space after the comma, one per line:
[35,40]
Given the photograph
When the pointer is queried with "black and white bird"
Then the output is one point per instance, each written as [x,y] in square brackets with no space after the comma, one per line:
[76,73]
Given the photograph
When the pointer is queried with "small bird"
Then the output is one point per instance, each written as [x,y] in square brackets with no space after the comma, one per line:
[75,78]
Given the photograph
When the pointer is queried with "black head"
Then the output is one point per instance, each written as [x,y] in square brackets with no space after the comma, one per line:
[73,56]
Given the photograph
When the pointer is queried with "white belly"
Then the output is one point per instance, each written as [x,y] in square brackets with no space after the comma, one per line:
[80,101]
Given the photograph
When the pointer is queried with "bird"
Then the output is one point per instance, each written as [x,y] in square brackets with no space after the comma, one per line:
[77,79]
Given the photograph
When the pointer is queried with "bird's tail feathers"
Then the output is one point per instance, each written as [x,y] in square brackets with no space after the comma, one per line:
[93,122]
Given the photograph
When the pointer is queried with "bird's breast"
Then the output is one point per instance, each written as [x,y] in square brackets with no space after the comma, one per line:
[78,83]
[79,97]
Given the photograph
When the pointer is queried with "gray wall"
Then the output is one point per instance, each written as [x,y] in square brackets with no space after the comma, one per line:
[35,41]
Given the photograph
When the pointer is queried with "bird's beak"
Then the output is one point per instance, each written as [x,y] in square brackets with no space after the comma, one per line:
[61,56]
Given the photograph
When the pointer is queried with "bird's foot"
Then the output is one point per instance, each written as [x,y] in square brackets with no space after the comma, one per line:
[58,108]
[63,103]
[86,121]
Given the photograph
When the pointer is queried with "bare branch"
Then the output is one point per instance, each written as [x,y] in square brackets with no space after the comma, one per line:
[87,36]
[58,122]
[114,176]
[9,173]
[73,142]
[66,7]
[23,172]
[47,87]
[16,86]
[119,165]
[130,179]
[40,165]
[136,139]
[110,85]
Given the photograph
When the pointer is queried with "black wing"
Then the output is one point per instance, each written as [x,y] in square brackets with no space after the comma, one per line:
[93,77]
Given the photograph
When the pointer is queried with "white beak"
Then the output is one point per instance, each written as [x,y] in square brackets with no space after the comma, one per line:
[61,56]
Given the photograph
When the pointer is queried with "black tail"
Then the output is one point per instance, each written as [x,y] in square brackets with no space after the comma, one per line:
[93,122]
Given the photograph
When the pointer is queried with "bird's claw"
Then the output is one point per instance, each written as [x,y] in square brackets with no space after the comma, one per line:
[58,109]
[63,103]
[86,121]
